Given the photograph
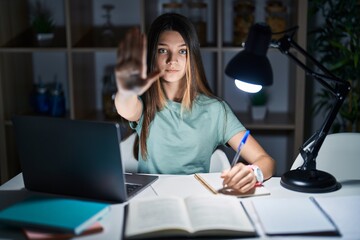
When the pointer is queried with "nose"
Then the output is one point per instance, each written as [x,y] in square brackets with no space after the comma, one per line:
[171,58]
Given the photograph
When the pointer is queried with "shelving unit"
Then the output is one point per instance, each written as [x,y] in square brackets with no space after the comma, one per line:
[79,54]
[281,133]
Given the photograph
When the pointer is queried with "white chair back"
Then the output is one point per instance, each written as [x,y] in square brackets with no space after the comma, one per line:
[129,162]
[219,161]
[339,155]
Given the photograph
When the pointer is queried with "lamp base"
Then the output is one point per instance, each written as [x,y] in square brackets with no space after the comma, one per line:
[310,181]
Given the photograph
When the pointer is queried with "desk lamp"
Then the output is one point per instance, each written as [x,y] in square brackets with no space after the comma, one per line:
[251,70]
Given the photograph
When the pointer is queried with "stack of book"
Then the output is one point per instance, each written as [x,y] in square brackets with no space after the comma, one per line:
[48,218]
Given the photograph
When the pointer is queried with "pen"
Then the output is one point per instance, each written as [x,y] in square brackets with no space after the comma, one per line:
[241,145]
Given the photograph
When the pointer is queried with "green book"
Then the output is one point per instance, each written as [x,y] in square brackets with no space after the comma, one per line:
[54,214]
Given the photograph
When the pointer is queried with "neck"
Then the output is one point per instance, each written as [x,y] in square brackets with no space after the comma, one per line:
[174,90]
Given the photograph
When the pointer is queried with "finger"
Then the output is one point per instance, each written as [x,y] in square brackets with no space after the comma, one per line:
[143,48]
[156,74]
[237,180]
[226,176]
[127,43]
[149,81]
[240,175]
[135,50]
[247,187]
[247,180]
[119,54]
[229,175]
[224,173]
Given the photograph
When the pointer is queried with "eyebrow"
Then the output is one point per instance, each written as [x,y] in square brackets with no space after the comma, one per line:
[164,44]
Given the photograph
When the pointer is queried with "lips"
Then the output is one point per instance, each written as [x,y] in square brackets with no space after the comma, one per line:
[171,70]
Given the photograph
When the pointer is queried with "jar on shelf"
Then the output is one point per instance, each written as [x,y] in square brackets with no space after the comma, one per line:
[244,15]
[172,7]
[197,12]
[276,17]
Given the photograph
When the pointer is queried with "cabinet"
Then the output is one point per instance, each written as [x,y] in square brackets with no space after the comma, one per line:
[79,54]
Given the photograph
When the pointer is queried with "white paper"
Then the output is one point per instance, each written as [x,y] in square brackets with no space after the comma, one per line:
[282,216]
[345,211]
[180,186]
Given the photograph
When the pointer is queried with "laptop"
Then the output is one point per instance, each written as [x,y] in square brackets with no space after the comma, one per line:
[76,158]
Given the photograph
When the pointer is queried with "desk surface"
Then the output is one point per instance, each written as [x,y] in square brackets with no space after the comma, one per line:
[13,191]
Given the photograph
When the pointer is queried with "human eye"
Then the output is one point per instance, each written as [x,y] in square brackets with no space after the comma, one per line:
[162,50]
[183,51]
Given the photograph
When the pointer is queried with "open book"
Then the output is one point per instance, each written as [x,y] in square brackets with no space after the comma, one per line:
[183,217]
[214,183]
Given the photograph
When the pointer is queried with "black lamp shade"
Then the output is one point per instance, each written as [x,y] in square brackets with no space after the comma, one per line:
[251,65]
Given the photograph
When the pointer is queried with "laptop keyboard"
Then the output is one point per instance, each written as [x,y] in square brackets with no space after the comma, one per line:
[132,187]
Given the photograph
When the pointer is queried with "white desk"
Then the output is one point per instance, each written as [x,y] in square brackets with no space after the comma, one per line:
[13,191]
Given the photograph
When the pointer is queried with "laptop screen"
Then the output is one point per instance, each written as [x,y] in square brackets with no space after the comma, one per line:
[71,157]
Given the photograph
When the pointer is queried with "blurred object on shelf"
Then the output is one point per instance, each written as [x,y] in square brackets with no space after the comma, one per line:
[244,15]
[173,7]
[258,104]
[197,13]
[42,22]
[108,93]
[108,34]
[56,100]
[40,98]
[276,17]
[48,99]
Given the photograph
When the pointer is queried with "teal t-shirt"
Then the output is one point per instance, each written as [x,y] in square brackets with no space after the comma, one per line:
[182,143]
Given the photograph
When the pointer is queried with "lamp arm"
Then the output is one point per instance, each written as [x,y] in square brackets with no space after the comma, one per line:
[339,91]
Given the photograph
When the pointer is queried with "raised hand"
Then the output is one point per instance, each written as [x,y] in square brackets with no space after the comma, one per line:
[131,69]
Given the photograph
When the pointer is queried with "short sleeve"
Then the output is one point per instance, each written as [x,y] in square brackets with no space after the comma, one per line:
[229,124]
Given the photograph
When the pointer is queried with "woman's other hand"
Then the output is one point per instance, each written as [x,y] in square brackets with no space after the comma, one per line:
[240,178]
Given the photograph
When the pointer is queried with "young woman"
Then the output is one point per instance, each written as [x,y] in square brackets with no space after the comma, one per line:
[164,94]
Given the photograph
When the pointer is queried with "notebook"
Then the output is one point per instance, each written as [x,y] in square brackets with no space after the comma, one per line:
[75,157]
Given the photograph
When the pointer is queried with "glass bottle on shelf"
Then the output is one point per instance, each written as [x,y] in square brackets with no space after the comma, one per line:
[244,14]
[276,17]
[172,7]
[57,100]
[197,12]
[40,98]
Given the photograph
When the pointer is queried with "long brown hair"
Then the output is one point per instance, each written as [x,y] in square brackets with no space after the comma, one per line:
[154,98]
